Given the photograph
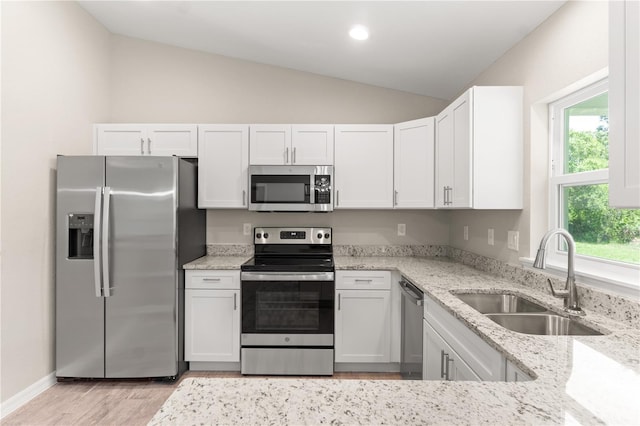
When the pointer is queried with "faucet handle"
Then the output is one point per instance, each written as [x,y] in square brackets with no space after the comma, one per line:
[560,294]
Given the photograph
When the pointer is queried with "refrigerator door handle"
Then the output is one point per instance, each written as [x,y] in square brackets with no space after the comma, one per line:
[106,285]
[96,243]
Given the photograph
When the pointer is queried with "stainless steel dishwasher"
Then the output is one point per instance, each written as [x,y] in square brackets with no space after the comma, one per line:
[411,336]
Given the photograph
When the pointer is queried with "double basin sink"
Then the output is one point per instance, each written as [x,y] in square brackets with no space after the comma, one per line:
[522,315]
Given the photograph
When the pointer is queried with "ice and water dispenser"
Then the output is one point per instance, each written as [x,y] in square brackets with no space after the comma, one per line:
[80,236]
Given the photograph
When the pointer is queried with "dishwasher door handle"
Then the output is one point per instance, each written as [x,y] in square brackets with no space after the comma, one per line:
[417,299]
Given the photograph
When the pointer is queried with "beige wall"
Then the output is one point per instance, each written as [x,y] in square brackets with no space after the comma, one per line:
[349,226]
[54,86]
[152,82]
[569,46]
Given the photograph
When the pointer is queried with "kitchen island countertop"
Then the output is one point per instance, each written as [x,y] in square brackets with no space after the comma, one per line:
[583,379]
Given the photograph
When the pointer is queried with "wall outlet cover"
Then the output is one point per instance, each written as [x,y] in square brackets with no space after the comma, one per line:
[465,233]
[402,229]
[490,239]
[513,240]
[246,229]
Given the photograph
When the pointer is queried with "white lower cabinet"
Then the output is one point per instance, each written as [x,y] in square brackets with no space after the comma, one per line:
[363,317]
[441,362]
[450,346]
[212,316]
[514,374]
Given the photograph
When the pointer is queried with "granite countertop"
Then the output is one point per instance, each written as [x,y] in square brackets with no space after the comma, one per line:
[217,262]
[583,379]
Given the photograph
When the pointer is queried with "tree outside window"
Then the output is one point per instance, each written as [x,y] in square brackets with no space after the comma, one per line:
[582,148]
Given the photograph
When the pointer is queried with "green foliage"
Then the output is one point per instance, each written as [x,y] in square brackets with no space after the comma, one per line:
[589,215]
[588,151]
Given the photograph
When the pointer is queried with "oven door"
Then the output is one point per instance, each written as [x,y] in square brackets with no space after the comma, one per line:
[285,309]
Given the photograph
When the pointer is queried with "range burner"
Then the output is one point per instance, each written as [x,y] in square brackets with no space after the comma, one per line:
[288,264]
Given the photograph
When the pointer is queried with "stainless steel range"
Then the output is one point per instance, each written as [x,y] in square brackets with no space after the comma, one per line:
[287,298]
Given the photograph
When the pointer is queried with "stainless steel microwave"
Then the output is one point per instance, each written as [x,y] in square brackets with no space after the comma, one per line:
[291,188]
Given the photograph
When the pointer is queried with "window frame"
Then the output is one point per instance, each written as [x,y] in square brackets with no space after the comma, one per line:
[608,274]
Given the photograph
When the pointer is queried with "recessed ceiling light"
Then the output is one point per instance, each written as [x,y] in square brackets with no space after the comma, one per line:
[359,32]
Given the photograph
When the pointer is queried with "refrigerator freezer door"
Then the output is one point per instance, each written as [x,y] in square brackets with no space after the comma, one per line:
[141,314]
[79,312]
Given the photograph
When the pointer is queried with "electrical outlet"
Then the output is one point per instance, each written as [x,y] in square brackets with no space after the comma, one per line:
[402,229]
[246,229]
[465,233]
[490,237]
[513,240]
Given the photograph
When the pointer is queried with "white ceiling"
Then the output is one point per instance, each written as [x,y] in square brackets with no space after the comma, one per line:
[432,48]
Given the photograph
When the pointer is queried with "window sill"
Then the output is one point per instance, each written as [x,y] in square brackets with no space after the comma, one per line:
[627,285]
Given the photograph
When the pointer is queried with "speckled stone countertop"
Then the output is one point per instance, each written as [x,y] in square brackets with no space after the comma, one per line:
[217,262]
[578,379]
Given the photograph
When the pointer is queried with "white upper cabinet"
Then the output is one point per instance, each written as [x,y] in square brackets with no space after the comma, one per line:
[624,104]
[363,171]
[269,144]
[479,150]
[312,145]
[414,152]
[223,160]
[283,144]
[146,139]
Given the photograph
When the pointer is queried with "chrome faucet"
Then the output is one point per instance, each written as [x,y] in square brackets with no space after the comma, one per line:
[569,294]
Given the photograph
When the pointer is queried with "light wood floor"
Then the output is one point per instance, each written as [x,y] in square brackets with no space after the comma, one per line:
[118,402]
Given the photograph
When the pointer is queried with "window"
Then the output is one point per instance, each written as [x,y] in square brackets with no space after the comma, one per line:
[607,239]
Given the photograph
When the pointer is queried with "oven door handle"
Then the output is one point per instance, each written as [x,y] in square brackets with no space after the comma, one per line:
[286,276]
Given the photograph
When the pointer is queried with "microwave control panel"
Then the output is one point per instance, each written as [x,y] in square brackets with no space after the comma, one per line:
[323,189]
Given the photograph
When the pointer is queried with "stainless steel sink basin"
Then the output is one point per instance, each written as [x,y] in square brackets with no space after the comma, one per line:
[543,324]
[496,303]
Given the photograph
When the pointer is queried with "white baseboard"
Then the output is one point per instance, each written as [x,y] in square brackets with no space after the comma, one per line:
[26,395]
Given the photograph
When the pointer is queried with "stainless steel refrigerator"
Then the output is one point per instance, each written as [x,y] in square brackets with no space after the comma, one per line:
[124,228]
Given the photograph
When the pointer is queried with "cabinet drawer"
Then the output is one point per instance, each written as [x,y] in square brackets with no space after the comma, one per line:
[485,361]
[363,280]
[212,279]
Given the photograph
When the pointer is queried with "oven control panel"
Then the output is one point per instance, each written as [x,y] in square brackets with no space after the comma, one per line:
[292,235]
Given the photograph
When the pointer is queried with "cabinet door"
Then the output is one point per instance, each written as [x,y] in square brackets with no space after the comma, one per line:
[514,374]
[453,154]
[364,166]
[172,139]
[462,143]
[432,353]
[212,325]
[444,158]
[120,139]
[414,156]
[312,145]
[441,362]
[269,144]
[147,139]
[363,326]
[223,158]
[624,104]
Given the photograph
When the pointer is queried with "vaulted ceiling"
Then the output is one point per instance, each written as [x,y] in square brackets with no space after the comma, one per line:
[432,48]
